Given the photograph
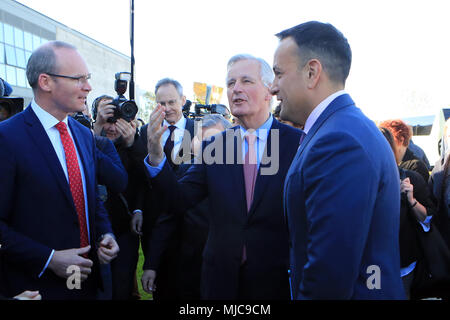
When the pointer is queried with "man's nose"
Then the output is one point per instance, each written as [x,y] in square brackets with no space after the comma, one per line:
[87,86]
[273,89]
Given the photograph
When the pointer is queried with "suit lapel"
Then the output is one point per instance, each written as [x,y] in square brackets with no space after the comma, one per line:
[262,181]
[39,136]
[236,169]
[337,104]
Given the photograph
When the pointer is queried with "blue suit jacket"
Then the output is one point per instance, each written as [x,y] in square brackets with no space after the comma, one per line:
[262,229]
[37,213]
[342,200]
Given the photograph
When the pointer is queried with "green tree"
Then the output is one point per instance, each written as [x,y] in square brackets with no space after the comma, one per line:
[149,105]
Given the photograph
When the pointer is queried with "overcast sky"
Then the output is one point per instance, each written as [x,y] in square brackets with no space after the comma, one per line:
[400,48]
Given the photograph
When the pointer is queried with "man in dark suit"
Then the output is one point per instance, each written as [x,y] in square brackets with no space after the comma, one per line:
[178,134]
[53,229]
[122,205]
[242,172]
[189,231]
[342,193]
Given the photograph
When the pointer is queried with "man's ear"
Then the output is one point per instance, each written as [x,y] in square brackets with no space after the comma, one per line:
[183,100]
[313,72]
[45,83]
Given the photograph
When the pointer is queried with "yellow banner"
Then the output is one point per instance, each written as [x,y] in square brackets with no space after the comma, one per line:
[200,91]
[216,95]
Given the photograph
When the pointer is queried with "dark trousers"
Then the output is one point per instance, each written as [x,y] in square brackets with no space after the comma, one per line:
[123,267]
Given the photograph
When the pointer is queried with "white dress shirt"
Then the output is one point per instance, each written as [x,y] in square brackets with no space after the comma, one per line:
[48,122]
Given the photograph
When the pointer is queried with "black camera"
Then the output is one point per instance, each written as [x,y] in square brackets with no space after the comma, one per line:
[83,119]
[9,107]
[125,109]
[202,109]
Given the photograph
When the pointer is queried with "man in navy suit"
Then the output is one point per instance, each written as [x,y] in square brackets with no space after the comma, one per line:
[241,171]
[342,191]
[53,228]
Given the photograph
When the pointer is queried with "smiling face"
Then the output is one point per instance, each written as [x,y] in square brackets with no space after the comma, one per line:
[248,97]
[168,96]
[290,84]
[69,95]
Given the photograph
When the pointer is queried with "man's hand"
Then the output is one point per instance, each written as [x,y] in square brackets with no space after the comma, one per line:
[63,259]
[29,295]
[104,112]
[108,249]
[136,223]
[127,130]
[154,134]
[148,281]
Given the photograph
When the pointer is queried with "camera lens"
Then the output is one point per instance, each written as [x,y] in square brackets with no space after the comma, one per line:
[129,110]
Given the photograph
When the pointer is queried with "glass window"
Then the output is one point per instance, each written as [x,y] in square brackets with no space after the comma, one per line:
[21,78]
[18,38]
[20,54]
[36,41]
[11,75]
[9,34]
[28,41]
[1,33]
[27,56]
[2,53]
[10,56]
[2,71]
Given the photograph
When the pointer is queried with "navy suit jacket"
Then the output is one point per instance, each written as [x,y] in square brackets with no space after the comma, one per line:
[342,200]
[262,230]
[37,213]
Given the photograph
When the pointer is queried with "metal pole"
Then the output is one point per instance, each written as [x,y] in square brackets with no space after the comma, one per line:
[132,49]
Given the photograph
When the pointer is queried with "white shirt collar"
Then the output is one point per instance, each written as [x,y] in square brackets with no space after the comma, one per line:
[262,132]
[180,124]
[47,120]
[315,114]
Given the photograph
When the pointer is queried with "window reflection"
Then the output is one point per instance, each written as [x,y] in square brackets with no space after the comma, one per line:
[21,78]
[28,41]
[2,53]
[10,56]
[18,38]
[9,34]
[2,71]
[11,75]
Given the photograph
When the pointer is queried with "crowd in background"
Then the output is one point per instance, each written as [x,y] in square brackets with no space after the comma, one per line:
[181,214]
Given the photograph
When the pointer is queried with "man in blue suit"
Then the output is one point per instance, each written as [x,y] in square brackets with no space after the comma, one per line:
[242,172]
[53,228]
[342,191]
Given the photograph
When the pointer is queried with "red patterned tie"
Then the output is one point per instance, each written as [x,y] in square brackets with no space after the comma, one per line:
[75,182]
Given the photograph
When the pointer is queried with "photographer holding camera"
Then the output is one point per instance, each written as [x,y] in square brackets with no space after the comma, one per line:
[123,208]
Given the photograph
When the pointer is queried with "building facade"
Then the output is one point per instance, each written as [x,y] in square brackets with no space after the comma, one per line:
[23,29]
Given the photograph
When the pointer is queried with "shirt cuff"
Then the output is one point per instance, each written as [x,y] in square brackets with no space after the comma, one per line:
[153,171]
[426,224]
[46,265]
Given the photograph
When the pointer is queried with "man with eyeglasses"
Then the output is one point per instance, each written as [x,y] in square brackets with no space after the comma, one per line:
[54,229]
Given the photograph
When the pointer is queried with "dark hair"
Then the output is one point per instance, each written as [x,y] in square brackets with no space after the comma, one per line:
[322,41]
[96,102]
[389,137]
[43,60]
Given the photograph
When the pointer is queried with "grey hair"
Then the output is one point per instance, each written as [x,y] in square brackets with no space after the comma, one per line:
[266,71]
[43,60]
[211,120]
[173,82]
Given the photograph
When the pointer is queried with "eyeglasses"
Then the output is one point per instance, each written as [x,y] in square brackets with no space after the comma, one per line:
[81,79]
